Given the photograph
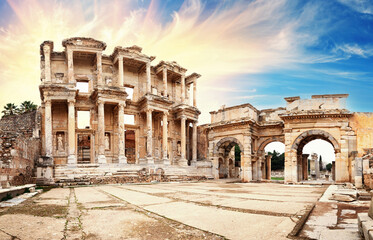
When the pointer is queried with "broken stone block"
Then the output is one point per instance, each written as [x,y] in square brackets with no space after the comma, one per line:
[342,197]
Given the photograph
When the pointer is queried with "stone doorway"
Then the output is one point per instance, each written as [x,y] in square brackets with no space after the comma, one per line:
[130,144]
[84,148]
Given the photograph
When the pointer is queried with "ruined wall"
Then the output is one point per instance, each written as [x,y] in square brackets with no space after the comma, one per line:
[362,124]
[234,113]
[19,148]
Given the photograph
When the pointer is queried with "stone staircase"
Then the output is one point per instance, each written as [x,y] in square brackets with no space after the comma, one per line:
[86,174]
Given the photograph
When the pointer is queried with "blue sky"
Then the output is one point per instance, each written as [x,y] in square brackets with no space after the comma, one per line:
[247,51]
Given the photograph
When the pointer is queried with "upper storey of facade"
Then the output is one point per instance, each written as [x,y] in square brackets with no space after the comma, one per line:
[331,104]
[83,70]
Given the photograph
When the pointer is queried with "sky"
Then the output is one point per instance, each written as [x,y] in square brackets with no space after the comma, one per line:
[247,51]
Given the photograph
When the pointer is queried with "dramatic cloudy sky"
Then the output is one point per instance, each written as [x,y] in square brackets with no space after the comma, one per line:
[247,51]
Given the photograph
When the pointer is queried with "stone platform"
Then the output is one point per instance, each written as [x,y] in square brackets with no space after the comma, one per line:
[85,174]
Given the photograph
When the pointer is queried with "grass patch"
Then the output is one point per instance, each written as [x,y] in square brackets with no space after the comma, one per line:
[277,178]
[40,210]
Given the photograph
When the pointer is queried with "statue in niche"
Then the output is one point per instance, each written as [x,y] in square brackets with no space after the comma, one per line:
[60,142]
[107,142]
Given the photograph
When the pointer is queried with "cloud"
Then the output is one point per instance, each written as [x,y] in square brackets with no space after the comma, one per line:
[354,49]
[361,6]
[232,40]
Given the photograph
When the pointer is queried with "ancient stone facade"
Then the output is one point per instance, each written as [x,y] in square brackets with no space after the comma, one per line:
[303,120]
[19,148]
[83,79]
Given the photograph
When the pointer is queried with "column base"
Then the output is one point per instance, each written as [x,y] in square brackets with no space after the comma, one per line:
[166,161]
[101,159]
[150,160]
[183,162]
[193,163]
[71,161]
[122,159]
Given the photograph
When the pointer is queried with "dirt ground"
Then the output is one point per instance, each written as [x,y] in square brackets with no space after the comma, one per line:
[205,210]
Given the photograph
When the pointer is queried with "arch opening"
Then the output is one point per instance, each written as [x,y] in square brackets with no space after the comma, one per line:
[316,156]
[274,161]
[229,158]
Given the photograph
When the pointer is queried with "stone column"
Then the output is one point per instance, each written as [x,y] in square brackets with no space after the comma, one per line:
[101,132]
[183,89]
[183,161]
[48,128]
[165,82]
[305,166]
[149,139]
[195,93]
[166,160]
[70,66]
[99,68]
[120,70]
[148,78]
[122,155]
[71,160]
[194,144]
[47,63]
[269,170]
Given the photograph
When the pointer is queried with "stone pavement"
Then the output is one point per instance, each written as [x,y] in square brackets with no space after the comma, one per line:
[207,210]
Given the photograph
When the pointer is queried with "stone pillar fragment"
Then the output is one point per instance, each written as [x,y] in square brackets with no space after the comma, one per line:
[183,161]
[71,160]
[165,82]
[122,142]
[305,166]
[47,63]
[149,139]
[194,153]
[195,93]
[359,172]
[120,71]
[101,132]
[148,78]
[70,66]
[99,68]
[165,140]
[183,89]
[269,170]
[48,128]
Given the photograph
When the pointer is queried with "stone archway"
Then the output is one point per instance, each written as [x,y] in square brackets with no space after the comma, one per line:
[299,160]
[225,165]
[232,142]
[310,135]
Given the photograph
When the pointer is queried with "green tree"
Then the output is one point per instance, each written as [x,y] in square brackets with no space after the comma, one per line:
[27,106]
[10,109]
[329,167]
[277,160]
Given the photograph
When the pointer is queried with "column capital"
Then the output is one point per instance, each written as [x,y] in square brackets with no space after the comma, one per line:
[166,113]
[47,101]
[183,117]
[71,101]
[100,101]
[149,110]
[46,48]
[148,64]
[121,105]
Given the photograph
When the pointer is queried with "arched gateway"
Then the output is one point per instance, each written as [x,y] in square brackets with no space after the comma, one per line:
[303,120]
